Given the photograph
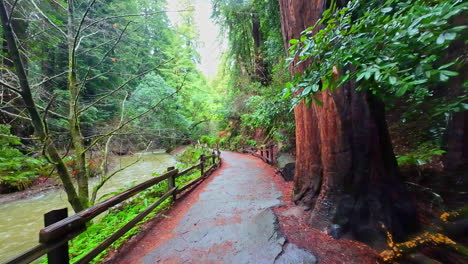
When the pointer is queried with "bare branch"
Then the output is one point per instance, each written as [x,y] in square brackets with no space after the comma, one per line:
[53,113]
[102,60]
[105,159]
[97,76]
[132,15]
[83,37]
[119,88]
[78,31]
[95,141]
[24,138]
[12,9]
[106,178]
[57,4]
[15,115]
[44,117]
[48,79]
[47,18]
[8,86]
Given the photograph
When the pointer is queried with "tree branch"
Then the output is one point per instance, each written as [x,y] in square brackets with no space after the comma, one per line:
[105,159]
[78,31]
[12,9]
[8,86]
[48,79]
[132,15]
[102,60]
[95,141]
[15,115]
[119,88]
[44,116]
[47,18]
[58,4]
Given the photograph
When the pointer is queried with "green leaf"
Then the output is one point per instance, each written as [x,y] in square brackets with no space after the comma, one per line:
[446,65]
[386,9]
[450,36]
[293,41]
[440,39]
[402,90]
[443,77]
[449,73]
[317,101]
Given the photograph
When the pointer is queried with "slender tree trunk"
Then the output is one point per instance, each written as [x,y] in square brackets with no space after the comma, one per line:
[36,119]
[261,72]
[81,171]
[346,171]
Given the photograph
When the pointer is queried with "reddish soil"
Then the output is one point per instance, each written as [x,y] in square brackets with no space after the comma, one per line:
[327,249]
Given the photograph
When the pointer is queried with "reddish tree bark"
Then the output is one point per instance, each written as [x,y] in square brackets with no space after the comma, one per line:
[346,171]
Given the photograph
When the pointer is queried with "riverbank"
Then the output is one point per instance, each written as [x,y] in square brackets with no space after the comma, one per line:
[40,185]
[22,217]
[44,184]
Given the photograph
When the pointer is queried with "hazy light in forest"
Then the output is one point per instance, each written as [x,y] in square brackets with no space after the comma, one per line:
[211,46]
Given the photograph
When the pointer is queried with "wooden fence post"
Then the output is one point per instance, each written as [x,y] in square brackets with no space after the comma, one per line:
[60,254]
[202,165]
[171,183]
[272,156]
[214,157]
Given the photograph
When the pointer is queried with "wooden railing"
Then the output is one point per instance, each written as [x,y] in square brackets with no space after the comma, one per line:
[265,152]
[61,229]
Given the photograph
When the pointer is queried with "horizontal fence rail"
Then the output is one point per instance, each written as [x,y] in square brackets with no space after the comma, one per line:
[265,152]
[54,237]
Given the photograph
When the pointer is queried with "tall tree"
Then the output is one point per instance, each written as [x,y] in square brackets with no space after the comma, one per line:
[346,170]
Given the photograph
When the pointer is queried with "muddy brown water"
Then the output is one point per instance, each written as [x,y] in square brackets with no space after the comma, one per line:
[21,220]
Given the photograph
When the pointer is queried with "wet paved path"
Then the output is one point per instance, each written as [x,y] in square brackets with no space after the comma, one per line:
[227,220]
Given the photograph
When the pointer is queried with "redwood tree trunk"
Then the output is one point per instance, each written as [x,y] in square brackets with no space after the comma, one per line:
[456,136]
[261,72]
[346,171]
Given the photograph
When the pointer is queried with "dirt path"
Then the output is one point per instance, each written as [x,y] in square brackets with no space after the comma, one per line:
[227,219]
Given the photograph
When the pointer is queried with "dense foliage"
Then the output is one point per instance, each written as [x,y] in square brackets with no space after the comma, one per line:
[17,170]
[130,82]
[392,49]
[253,73]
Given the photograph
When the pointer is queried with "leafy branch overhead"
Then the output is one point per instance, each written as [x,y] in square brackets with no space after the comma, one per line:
[392,50]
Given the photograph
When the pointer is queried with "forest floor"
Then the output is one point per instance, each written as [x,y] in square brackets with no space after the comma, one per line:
[242,214]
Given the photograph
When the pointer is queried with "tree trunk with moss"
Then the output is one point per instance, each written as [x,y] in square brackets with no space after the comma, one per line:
[36,119]
[81,172]
[346,171]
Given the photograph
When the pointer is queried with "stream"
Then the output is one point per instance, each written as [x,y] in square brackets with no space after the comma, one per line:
[21,220]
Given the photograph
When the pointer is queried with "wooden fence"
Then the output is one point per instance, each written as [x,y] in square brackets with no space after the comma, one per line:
[60,229]
[265,152]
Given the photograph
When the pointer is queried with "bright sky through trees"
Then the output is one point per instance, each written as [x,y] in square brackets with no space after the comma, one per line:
[211,44]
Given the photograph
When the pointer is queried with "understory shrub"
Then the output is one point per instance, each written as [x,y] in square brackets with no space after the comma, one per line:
[17,170]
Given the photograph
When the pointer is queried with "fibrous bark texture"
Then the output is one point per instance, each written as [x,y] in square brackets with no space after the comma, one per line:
[346,171]
[456,136]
